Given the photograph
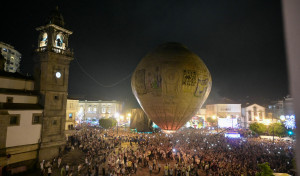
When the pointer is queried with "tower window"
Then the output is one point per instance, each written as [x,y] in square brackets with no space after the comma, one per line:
[56,97]
[54,122]
[59,40]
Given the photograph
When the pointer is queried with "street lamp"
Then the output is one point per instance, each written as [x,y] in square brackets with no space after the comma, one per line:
[214,117]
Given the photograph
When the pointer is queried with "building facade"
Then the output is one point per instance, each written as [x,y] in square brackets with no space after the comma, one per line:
[223,110]
[12,58]
[253,113]
[71,114]
[20,121]
[95,110]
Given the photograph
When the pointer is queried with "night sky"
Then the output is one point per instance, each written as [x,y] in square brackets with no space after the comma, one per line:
[241,42]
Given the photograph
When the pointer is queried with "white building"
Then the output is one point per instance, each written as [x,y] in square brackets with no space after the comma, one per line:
[254,113]
[12,57]
[20,119]
[223,110]
[94,110]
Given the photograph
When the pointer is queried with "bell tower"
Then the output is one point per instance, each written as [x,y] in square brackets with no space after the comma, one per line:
[52,60]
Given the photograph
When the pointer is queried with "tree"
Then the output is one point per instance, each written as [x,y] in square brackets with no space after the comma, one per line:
[107,123]
[278,128]
[211,121]
[264,170]
[258,128]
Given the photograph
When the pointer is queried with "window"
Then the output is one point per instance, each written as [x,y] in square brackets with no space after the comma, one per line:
[59,40]
[70,127]
[95,108]
[255,110]
[9,99]
[56,97]
[14,120]
[103,109]
[249,116]
[36,118]
[70,115]
[54,122]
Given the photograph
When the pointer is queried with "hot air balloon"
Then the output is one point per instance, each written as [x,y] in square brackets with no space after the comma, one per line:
[171,83]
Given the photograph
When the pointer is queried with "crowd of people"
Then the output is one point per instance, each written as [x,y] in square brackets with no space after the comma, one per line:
[184,153]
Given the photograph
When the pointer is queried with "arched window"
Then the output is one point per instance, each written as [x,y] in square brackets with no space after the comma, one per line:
[59,41]
[44,40]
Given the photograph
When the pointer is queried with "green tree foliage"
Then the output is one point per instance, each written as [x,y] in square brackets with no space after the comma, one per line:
[211,121]
[278,128]
[264,170]
[107,123]
[258,128]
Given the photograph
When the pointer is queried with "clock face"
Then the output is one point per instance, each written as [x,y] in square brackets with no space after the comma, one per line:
[58,74]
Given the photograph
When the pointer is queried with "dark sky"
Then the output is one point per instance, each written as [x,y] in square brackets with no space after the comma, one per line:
[241,42]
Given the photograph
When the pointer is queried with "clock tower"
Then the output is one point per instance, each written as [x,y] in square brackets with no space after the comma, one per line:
[52,60]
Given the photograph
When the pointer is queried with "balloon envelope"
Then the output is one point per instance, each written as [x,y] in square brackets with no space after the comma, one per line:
[171,84]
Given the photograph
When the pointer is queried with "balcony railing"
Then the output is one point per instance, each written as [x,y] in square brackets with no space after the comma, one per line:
[66,52]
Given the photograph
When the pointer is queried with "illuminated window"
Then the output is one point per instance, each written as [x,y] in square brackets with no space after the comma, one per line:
[95,108]
[70,115]
[59,40]
[103,109]
[44,40]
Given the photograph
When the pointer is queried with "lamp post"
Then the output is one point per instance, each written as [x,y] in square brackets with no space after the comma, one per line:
[214,117]
[117,115]
[128,117]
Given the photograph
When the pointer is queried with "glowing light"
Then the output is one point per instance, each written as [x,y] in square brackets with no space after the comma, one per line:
[227,123]
[232,135]
[290,122]
[267,121]
[214,117]
[58,74]
[282,117]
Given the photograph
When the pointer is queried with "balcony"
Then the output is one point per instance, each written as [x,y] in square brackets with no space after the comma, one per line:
[66,52]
